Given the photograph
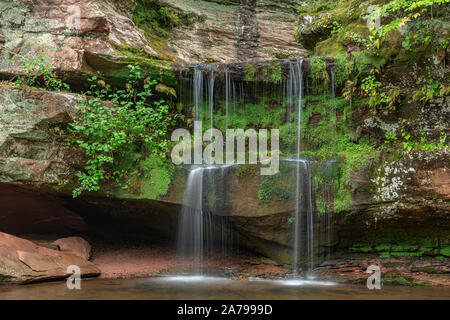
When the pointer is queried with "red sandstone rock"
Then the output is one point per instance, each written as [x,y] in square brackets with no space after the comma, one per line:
[101,30]
[74,245]
[22,261]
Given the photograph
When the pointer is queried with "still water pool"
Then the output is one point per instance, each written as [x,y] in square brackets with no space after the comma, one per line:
[204,288]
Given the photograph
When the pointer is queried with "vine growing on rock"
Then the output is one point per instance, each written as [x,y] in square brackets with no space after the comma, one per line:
[114,123]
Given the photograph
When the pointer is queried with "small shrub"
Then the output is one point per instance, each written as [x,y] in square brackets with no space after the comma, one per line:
[113,121]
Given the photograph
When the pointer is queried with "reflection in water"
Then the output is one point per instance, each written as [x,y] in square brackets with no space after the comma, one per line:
[197,287]
[192,278]
[300,282]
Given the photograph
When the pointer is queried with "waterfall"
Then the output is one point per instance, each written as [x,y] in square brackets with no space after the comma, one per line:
[198,89]
[198,86]
[227,95]
[294,86]
[204,226]
[295,94]
[304,227]
[200,232]
[333,95]
[190,227]
[309,213]
[329,221]
[211,79]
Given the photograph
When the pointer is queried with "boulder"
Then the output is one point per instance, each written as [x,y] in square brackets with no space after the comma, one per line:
[74,245]
[22,261]
[30,151]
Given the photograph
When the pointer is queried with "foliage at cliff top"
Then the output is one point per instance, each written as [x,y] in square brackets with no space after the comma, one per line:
[400,31]
[117,122]
[364,37]
[359,22]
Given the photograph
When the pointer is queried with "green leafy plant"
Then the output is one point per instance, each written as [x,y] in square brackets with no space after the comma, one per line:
[423,143]
[443,139]
[431,91]
[391,138]
[37,68]
[369,88]
[319,72]
[388,96]
[336,27]
[115,121]
[410,9]
[414,16]
[155,16]
[407,143]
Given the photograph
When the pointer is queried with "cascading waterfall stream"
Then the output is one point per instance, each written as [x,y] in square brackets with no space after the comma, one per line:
[309,214]
[198,228]
[197,90]
[329,222]
[202,225]
[211,79]
[227,95]
[197,225]
[333,95]
[190,227]
[295,87]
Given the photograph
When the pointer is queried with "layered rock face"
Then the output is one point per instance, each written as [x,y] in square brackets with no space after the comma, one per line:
[79,36]
[237,30]
[85,36]
[401,201]
[30,152]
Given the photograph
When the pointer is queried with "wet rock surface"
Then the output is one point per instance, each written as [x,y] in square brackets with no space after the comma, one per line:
[409,191]
[399,271]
